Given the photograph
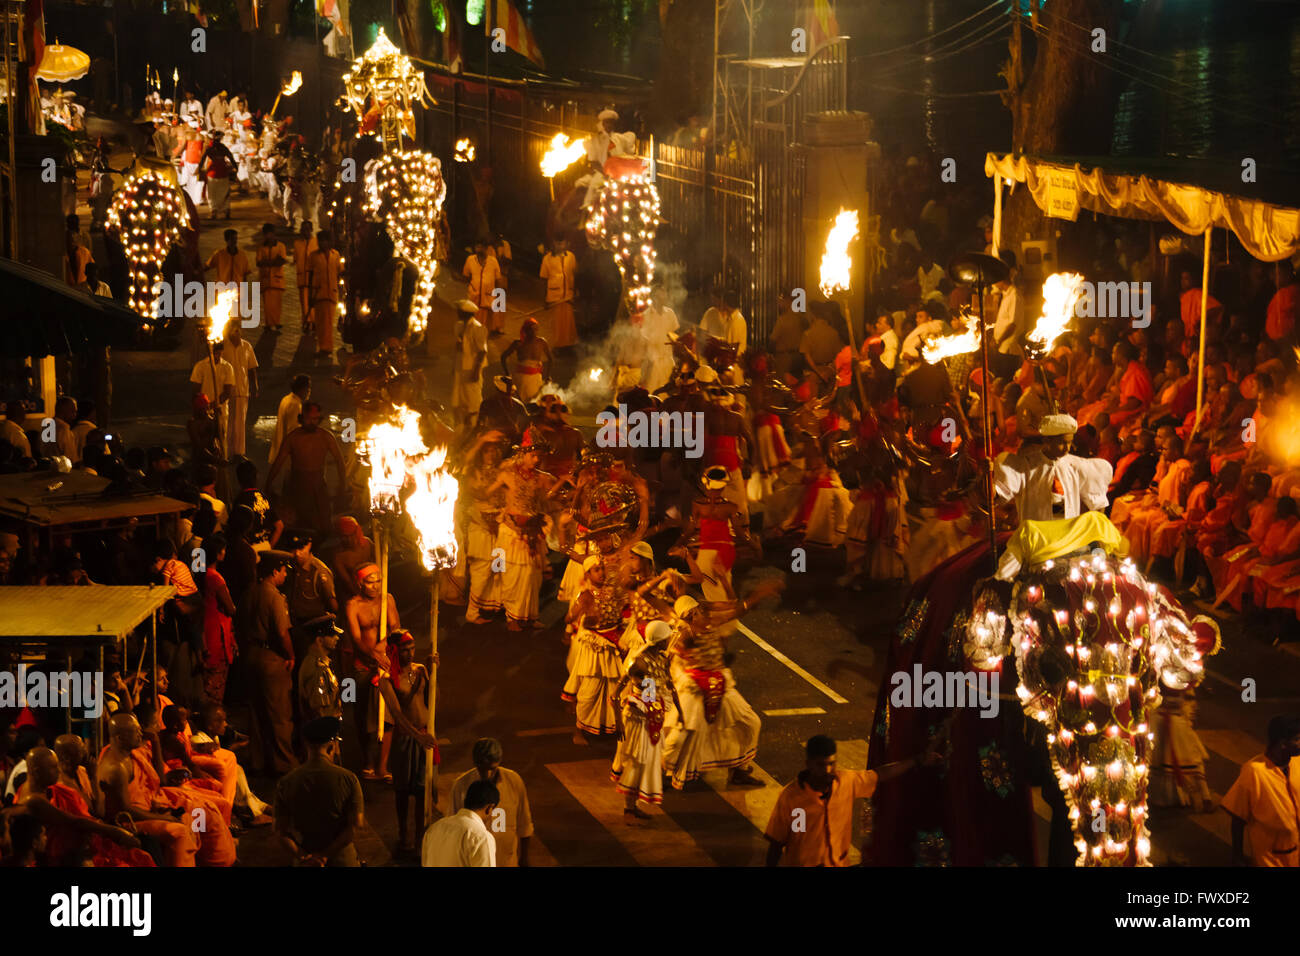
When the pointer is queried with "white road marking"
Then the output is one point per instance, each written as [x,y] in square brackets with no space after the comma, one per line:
[794,712]
[790,664]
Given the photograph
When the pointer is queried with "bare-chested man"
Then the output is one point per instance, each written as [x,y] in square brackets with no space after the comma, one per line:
[371,660]
[532,361]
[69,824]
[130,785]
[522,535]
[724,429]
[355,549]
[406,692]
[307,449]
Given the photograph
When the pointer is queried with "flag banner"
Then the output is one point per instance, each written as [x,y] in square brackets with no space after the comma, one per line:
[517,35]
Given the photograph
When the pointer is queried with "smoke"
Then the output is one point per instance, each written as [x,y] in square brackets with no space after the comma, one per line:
[592,386]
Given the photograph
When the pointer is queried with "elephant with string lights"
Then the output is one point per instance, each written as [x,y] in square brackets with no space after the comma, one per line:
[1092,641]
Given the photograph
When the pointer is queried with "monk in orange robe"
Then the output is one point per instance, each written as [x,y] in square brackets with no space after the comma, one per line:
[1169,498]
[1255,515]
[1169,535]
[1262,553]
[69,825]
[1278,574]
[132,785]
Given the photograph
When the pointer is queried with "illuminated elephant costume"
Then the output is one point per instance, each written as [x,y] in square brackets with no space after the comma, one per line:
[1090,640]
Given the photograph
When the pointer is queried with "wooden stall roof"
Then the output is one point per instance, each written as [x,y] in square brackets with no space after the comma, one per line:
[96,611]
[49,500]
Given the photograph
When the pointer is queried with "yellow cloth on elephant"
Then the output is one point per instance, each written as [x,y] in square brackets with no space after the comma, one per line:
[1038,541]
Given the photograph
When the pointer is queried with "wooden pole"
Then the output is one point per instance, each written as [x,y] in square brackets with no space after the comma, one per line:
[430,769]
[853,347]
[985,413]
[1205,299]
[997,213]
[154,651]
[381,547]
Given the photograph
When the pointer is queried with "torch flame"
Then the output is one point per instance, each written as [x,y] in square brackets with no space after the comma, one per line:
[464,151]
[561,155]
[220,315]
[939,348]
[397,455]
[432,507]
[1061,293]
[294,84]
[836,262]
[386,448]
[594,375]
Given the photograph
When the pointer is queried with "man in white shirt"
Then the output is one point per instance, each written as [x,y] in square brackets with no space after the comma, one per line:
[191,109]
[239,353]
[929,274]
[84,425]
[219,389]
[286,415]
[64,443]
[516,817]
[1046,481]
[462,839]
[884,330]
[467,389]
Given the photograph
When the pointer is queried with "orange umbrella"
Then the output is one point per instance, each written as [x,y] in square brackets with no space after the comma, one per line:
[63,64]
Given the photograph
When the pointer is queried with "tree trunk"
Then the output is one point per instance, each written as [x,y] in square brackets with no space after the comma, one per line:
[1061,96]
[685,84]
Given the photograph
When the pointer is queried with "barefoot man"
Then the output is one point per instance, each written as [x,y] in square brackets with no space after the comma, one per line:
[522,535]
[405,693]
[371,661]
[532,361]
[306,450]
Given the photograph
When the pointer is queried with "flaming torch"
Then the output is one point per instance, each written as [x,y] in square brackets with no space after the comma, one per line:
[837,278]
[1061,293]
[386,448]
[432,507]
[464,150]
[939,348]
[561,155]
[218,316]
[291,87]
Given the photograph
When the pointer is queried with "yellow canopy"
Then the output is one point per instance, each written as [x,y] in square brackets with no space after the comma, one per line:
[1268,232]
[62,64]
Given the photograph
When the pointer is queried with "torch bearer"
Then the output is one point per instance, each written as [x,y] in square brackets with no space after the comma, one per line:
[385,449]
[836,277]
[432,507]
[217,319]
